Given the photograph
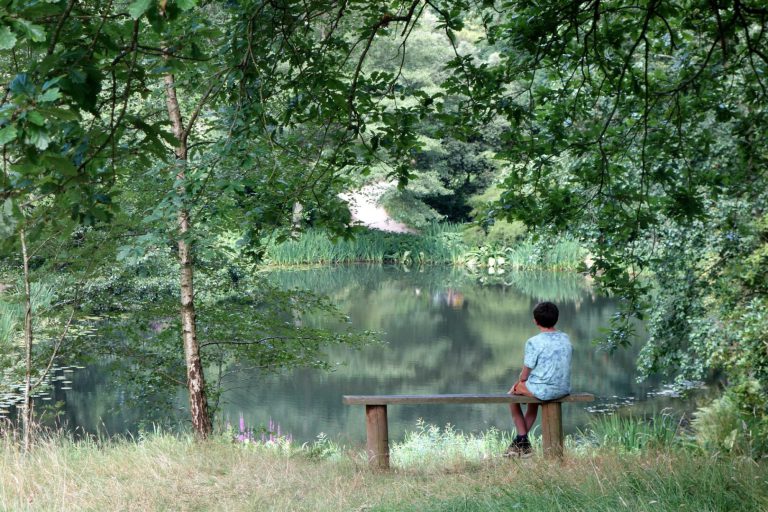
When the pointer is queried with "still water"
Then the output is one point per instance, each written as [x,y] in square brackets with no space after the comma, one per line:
[442,332]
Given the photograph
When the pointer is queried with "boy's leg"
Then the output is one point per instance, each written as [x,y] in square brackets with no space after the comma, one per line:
[519,418]
[530,416]
[523,422]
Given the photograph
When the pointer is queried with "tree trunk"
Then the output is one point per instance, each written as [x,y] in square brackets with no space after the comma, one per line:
[198,403]
[26,419]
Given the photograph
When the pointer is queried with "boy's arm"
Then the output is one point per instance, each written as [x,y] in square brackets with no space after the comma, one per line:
[523,377]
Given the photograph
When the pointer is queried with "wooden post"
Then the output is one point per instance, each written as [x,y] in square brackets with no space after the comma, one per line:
[378,436]
[552,429]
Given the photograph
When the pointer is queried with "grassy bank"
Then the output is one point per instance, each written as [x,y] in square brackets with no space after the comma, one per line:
[440,243]
[437,243]
[436,470]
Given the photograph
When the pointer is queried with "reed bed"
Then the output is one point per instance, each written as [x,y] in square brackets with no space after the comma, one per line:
[633,434]
[527,255]
[436,244]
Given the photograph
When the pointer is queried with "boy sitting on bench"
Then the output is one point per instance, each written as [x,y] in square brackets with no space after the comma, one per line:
[546,374]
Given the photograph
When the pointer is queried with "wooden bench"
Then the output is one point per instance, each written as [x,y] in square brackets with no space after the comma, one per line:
[376,417]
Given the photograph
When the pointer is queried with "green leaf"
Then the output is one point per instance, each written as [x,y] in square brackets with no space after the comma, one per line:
[60,114]
[60,163]
[21,85]
[138,8]
[34,32]
[186,5]
[50,95]
[35,118]
[38,137]
[7,134]
[8,220]
[7,38]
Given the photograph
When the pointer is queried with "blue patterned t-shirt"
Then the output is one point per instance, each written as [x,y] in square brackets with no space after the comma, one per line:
[548,355]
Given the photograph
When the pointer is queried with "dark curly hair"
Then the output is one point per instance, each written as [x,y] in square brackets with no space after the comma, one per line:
[546,314]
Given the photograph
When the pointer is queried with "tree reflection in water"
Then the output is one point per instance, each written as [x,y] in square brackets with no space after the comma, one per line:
[444,333]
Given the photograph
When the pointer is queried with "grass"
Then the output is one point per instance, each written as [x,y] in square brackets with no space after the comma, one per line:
[560,255]
[435,469]
[435,244]
[653,482]
[632,434]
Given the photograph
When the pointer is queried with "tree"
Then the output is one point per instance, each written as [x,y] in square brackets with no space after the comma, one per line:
[641,127]
[58,153]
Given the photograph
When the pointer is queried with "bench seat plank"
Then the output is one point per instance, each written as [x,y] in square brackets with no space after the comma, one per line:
[458,399]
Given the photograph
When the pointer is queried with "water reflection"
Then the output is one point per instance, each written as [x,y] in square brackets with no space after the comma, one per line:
[443,333]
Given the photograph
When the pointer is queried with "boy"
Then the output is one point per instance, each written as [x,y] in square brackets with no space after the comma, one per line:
[546,374]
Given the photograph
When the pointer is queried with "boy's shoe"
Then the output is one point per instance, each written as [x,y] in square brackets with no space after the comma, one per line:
[519,448]
[513,450]
[526,450]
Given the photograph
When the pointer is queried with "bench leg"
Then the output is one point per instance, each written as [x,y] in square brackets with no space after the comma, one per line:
[378,436]
[552,429]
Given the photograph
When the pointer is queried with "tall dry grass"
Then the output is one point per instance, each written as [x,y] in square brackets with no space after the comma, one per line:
[168,472]
[173,472]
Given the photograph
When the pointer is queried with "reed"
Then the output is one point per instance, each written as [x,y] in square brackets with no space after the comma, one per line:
[559,255]
[633,434]
[436,244]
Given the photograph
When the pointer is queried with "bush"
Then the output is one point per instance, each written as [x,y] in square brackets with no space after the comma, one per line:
[724,426]
[405,207]
[500,235]
[505,234]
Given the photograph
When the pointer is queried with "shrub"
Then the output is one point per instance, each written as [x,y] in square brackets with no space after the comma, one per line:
[505,233]
[405,207]
[724,426]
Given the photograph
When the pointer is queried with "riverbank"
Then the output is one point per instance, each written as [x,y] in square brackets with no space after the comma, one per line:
[173,472]
[437,244]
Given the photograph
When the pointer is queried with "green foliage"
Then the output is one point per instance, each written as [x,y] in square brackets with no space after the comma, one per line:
[404,206]
[439,243]
[709,313]
[12,350]
[631,434]
[243,321]
[726,426]
[505,233]
[542,254]
[431,446]
[637,129]
[501,234]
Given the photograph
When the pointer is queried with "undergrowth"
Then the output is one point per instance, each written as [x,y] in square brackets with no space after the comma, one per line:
[438,243]
[433,469]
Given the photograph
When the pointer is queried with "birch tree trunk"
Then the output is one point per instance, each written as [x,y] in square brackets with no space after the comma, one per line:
[198,403]
[26,419]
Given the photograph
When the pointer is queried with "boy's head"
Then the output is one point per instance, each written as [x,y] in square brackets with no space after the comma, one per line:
[545,314]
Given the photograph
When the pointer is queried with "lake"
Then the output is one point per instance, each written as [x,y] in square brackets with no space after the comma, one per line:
[443,332]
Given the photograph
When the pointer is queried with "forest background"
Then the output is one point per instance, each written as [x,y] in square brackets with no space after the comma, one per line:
[154,152]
